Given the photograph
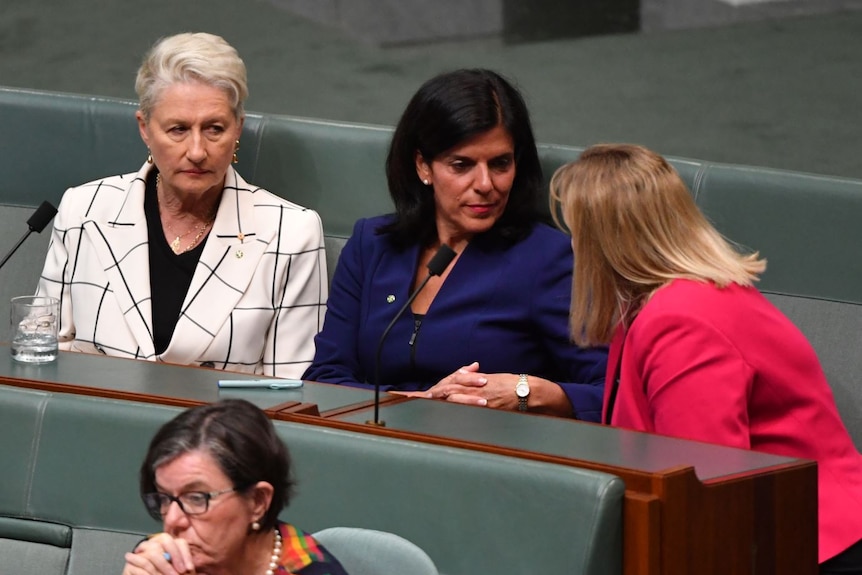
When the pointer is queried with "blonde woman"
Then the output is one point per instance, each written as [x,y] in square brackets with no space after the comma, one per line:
[696,351]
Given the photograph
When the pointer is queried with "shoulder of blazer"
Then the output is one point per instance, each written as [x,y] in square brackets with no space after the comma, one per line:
[97,199]
[276,212]
[265,201]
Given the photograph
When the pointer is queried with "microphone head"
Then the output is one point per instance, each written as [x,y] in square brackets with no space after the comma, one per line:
[441,260]
[42,217]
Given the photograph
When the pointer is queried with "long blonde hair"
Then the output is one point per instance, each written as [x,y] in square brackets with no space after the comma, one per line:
[635,227]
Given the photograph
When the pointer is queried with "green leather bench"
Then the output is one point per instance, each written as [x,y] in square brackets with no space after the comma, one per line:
[803,224]
[69,502]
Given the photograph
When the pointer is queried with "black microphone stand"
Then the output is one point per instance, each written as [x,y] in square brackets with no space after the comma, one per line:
[37,222]
[376,420]
[436,267]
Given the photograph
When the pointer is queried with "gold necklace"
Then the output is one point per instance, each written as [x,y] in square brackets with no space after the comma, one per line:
[177,241]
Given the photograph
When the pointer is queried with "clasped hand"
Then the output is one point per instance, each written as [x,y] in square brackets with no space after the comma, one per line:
[160,554]
[469,386]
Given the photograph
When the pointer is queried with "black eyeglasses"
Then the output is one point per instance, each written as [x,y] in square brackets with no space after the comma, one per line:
[190,502]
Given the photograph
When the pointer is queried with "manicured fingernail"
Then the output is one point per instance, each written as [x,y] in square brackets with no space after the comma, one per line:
[483,380]
[462,370]
[483,402]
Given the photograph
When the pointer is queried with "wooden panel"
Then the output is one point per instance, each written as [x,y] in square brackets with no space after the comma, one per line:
[641,533]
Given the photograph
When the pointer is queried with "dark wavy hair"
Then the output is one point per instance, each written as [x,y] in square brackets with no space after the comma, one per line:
[241,439]
[446,111]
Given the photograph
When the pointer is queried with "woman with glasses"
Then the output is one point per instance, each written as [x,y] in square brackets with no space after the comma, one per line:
[217,476]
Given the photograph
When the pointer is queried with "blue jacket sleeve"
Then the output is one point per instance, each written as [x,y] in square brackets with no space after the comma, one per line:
[582,369]
[586,397]
[336,358]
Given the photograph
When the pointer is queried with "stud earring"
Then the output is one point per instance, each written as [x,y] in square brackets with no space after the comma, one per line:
[149,156]
[255,526]
[235,150]
[426,182]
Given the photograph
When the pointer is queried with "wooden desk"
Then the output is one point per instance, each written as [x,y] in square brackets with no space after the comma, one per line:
[690,507]
[169,384]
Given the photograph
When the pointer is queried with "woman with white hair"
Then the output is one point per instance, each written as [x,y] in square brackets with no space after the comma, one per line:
[184,261]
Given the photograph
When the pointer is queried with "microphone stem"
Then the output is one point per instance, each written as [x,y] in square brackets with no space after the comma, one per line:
[415,293]
[15,249]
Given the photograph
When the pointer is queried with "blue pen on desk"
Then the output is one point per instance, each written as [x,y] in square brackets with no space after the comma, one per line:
[260,383]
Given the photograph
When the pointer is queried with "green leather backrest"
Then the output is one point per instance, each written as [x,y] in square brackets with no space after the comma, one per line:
[70,463]
[807,226]
[801,223]
[74,460]
[471,512]
[54,141]
[336,169]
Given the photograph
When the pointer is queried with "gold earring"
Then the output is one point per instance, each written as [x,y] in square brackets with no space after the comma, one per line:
[235,150]
[149,156]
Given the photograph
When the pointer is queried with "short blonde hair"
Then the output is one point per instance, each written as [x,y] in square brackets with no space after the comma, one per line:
[191,57]
[635,227]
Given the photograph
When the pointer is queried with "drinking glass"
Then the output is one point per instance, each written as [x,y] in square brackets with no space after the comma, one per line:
[34,323]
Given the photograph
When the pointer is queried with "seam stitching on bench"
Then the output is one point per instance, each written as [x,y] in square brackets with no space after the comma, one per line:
[34,449]
[259,144]
[699,176]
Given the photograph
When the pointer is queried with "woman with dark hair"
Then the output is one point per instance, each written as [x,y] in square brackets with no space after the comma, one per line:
[491,330]
[217,476]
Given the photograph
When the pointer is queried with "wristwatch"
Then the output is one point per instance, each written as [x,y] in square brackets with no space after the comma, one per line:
[522,390]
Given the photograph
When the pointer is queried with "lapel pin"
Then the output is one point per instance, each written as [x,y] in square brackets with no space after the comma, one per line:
[239,254]
[240,236]
[390,298]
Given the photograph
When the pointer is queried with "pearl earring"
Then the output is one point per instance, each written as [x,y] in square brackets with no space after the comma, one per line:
[426,182]
[255,526]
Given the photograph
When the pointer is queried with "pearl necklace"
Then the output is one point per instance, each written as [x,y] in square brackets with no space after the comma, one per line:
[201,228]
[276,553]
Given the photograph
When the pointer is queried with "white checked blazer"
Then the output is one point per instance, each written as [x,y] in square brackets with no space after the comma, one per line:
[256,300]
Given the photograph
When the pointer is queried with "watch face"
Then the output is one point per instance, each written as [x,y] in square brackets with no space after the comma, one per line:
[522,390]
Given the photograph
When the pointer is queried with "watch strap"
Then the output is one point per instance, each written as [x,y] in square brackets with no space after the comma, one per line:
[522,401]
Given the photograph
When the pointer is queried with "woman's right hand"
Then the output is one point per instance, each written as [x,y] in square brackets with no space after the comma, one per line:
[160,554]
[462,386]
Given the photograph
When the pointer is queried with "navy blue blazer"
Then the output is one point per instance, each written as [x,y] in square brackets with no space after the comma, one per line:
[504,304]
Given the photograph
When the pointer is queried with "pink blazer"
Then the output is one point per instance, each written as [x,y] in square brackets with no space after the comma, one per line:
[725,366]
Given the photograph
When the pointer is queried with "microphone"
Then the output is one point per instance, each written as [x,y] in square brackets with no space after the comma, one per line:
[37,222]
[436,267]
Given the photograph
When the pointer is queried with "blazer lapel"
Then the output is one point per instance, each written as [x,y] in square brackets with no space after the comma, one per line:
[613,375]
[227,266]
[121,245]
